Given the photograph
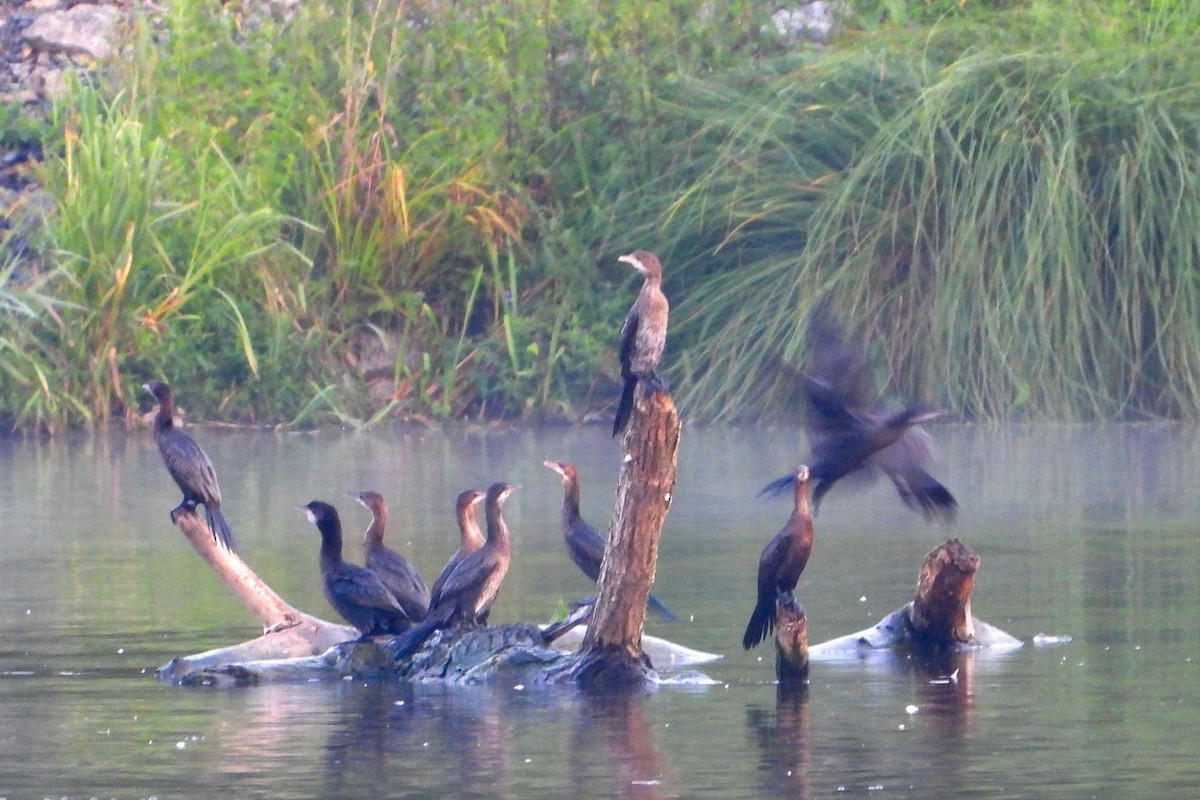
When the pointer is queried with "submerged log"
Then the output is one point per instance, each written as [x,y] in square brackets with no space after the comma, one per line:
[298,646]
[939,616]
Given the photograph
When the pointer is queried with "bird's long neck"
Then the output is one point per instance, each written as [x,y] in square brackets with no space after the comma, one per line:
[468,528]
[331,544]
[374,533]
[802,528]
[570,506]
[164,419]
[497,529]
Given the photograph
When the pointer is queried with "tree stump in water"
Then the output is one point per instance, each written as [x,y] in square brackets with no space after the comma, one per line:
[791,639]
[611,654]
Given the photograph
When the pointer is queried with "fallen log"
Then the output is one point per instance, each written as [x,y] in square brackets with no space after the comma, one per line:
[298,646]
[939,617]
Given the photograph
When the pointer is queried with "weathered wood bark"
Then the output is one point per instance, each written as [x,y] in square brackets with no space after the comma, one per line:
[939,617]
[288,632]
[791,640]
[612,654]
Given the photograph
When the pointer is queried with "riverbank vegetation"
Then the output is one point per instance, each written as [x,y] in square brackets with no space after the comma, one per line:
[367,212]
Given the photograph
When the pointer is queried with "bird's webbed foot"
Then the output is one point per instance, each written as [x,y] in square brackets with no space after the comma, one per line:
[184,505]
[655,382]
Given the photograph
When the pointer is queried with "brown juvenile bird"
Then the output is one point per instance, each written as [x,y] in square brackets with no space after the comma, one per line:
[189,466]
[643,334]
[781,563]
[472,586]
[395,571]
[470,533]
[584,544]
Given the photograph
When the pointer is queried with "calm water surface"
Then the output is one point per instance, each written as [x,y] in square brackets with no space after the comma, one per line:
[1084,532]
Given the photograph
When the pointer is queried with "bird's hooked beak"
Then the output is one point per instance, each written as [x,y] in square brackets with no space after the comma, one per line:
[554,465]
[634,262]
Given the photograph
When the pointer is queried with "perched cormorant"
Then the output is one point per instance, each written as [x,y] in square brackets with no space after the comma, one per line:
[782,561]
[584,543]
[471,588]
[394,570]
[848,433]
[643,334]
[189,466]
[471,537]
[354,592]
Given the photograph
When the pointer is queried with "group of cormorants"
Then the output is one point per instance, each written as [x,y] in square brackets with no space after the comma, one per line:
[849,434]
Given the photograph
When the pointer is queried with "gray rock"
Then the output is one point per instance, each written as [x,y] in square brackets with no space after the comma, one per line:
[84,30]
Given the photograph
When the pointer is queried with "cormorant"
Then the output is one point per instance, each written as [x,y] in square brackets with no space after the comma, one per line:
[471,588]
[584,543]
[394,570]
[782,561]
[643,334]
[189,466]
[471,537]
[848,433]
[354,592]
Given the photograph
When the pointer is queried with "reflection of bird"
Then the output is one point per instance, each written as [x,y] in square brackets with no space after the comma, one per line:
[471,588]
[189,466]
[470,541]
[849,434]
[781,563]
[393,570]
[584,543]
[353,591]
[643,334]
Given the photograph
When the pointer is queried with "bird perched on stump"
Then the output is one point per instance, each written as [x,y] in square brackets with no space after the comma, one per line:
[189,466]
[643,334]
[394,570]
[782,562]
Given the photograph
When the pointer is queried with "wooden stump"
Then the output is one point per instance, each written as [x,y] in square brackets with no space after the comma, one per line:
[791,640]
[611,654]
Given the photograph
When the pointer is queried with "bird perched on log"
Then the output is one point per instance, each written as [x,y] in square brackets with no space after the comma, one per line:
[849,434]
[782,562]
[471,537]
[584,544]
[354,592]
[469,591]
[189,466]
[643,334]
[399,576]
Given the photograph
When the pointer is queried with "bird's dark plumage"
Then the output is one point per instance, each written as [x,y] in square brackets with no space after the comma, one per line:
[782,562]
[851,435]
[584,544]
[471,588]
[394,570]
[471,537]
[643,334]
[189,466]
[354,592]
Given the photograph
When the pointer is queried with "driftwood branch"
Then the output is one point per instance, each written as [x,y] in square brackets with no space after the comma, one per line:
[288,633]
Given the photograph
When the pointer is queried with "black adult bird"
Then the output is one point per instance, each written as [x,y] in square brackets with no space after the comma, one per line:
[643,334]
[471,537]
[399,576]
[471,588]
[354,592]
[782,561]
[189,466]
[584,543]
[849,434]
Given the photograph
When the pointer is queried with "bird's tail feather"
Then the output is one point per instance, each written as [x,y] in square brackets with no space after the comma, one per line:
[625,406]
[408,643]
[761,622]
[222,533]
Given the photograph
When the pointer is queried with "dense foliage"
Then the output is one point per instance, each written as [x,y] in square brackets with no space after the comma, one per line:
[372,211]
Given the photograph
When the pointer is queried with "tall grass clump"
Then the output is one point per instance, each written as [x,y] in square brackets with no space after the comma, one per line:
[1011,210]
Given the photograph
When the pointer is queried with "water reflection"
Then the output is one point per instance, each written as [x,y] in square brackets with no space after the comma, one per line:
[614,727]
[783,741]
